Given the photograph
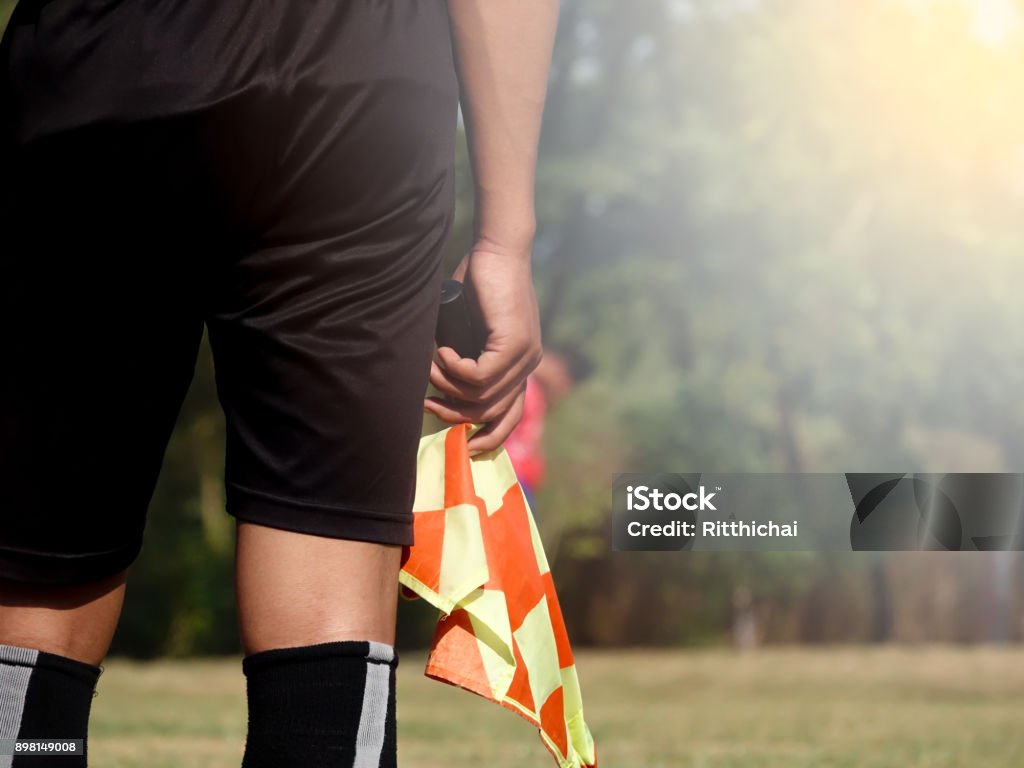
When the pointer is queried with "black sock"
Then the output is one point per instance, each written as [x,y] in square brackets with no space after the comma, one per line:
[44,696]
[322,706]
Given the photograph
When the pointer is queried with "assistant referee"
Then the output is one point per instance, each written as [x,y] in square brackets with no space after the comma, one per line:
[280,172]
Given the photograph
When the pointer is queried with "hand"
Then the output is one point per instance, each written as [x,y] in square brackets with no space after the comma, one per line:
[490,389]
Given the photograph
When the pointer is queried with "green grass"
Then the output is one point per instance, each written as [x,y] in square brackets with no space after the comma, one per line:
[796,708]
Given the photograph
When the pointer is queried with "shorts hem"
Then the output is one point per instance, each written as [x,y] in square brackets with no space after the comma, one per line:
[45,569]
[334,522]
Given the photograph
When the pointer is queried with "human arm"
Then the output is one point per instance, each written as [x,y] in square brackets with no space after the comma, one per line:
[503,54]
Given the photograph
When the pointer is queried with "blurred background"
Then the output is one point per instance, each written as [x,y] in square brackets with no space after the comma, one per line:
[787,235]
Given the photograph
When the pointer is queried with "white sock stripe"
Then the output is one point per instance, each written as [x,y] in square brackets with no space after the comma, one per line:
[374,714]
[15,671]
[14,654]
[380,652]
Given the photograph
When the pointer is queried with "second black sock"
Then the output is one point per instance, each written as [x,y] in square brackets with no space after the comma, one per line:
[322,706]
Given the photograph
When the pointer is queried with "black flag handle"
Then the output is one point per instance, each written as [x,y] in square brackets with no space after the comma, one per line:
[458,325]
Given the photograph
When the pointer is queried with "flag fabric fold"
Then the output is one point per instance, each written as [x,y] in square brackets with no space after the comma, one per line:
[479,559]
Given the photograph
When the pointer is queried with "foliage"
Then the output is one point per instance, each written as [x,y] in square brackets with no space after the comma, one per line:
[788,234]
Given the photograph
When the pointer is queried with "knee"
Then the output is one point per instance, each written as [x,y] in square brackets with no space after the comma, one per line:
[76,621]
[298,589]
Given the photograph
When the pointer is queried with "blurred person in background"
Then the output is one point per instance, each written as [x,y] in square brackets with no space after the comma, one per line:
[560,371]
[281,173]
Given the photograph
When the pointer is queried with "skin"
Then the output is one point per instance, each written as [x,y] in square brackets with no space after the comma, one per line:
[296,589]
[77,622]
[503,53]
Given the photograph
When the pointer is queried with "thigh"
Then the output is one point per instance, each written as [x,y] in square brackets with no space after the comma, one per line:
[322,332]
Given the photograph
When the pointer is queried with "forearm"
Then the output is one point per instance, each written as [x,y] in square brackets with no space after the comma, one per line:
[503,54]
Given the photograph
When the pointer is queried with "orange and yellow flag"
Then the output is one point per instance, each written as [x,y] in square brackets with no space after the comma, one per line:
[478,558]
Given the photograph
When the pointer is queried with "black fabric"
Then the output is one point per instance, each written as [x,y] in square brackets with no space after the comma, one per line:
[57,705]
[305,706]
[278,173]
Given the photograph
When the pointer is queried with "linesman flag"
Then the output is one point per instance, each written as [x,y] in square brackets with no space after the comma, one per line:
[478,558]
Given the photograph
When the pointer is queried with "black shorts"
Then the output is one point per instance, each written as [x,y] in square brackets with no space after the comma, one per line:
[278,172]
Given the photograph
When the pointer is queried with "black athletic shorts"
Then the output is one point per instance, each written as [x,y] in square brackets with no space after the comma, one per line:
[280,171]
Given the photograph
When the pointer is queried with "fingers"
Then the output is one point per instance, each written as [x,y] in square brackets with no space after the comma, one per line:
[482,380]
[494,434]
[459,412]
[490,389]
[487,398]
[498,403]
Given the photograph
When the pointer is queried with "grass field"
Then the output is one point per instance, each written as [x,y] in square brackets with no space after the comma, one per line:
[793,708]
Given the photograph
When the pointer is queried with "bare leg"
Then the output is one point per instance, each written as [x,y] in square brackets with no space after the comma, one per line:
[52,640]
[73,621]
[295,589]
[318,626]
